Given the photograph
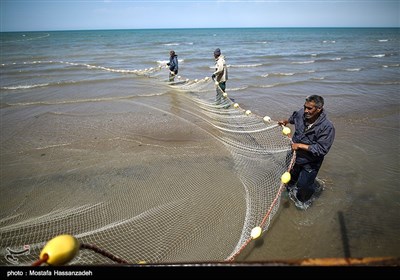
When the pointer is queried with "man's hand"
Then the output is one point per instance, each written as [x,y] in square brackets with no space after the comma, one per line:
[283,122]
[299,146]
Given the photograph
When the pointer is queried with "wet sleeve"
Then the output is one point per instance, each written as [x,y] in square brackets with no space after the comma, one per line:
[324,141]
[293,117]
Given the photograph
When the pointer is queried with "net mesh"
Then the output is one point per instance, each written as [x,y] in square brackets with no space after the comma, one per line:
[187,187]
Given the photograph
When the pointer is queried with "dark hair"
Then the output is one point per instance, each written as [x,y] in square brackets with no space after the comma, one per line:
[172,53]
[318,100]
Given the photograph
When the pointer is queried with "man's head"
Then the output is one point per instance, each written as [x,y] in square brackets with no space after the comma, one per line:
[172,53]
[217,52]
[313,107]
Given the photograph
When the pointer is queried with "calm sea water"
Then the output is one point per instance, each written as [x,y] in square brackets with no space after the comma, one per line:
[271,71]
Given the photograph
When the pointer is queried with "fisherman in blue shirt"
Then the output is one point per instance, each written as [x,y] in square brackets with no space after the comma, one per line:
[312,140]
[173,65]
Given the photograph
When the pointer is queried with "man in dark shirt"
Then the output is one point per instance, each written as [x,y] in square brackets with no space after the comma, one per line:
[172,65]
[312,139]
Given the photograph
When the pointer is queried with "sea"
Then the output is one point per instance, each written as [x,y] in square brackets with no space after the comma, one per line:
[84,76]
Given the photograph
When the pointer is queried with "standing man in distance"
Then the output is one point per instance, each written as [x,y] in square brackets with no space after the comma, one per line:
[313,137]
[173,65]
[220,75]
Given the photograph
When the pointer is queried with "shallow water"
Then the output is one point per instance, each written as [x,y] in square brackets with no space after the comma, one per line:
[79,90]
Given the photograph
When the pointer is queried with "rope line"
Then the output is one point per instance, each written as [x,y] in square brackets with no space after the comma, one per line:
[41,261]
[104,253]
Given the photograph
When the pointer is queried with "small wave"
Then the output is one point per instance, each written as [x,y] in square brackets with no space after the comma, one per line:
[24,86]
[352,69]
[303,62]
[325,60]
[378,55]
[246,65]
[281,84]
[287,74]
[270,86]
[391,65]
[327,41]
[383,40]
[228,66]
[178,44]
[238,88]
[282,74]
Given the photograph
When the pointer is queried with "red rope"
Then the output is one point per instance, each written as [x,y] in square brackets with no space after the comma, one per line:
[104,253]
[40,261]
[292,161]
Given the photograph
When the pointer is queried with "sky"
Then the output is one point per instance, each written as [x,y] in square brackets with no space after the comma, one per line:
[51,15]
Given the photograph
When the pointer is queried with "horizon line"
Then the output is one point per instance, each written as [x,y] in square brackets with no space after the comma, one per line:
[177,28]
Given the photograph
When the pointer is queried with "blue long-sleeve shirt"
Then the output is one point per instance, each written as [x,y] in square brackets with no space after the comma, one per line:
[320,138]
[173,64]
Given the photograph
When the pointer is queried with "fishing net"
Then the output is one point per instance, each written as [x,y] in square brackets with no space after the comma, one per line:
[172,178]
